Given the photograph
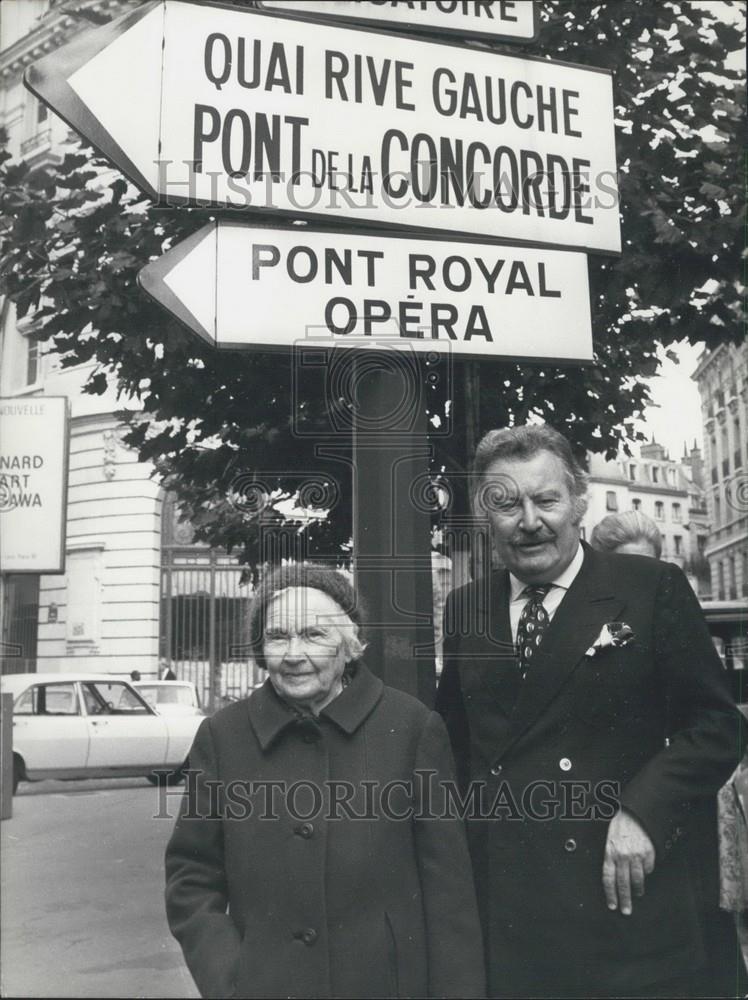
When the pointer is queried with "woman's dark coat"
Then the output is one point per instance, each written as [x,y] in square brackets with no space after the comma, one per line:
[281,893]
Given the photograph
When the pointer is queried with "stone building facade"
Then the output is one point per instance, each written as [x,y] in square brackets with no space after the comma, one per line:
[722,380]
[670,491]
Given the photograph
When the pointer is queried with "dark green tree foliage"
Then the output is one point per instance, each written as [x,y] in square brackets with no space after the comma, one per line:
[76,235]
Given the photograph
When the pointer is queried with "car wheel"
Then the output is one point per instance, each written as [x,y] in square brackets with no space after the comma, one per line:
[18,771]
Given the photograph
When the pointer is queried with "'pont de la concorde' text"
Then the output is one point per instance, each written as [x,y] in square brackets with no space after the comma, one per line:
[431,169]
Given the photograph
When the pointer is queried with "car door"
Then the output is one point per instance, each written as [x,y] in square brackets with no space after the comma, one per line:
[49,729]
[124,730]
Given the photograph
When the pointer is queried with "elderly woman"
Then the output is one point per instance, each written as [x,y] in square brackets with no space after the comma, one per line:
[314,855]
[632,533]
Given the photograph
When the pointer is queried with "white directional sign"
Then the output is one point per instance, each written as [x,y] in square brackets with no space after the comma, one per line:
[500,20]
[242,108]
[236,285]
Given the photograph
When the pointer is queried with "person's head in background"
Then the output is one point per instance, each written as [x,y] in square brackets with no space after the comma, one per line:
[632,533]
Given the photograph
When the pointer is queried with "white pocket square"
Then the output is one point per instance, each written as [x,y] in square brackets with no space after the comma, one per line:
[611,634]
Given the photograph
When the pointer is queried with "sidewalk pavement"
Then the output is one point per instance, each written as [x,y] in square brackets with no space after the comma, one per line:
[82,894]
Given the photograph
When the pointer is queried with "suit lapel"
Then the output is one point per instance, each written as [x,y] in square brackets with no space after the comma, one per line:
[590,602]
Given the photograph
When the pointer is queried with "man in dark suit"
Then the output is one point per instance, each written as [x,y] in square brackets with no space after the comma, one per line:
[586,704]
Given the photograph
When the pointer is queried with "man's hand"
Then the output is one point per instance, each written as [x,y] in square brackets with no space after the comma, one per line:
[629,856]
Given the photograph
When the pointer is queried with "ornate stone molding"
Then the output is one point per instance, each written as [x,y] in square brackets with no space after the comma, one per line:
[53,29]
[110,454]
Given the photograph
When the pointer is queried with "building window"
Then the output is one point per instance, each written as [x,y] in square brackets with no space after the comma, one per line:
[733,592]
[717,511]
[678,541]
[655,474]
[745,573]
[677,513]
[663,539]
[611,501]
[737,460]
[720,581]
[42,112]
[659,510]
[636,504]
[632,473]
[701,544]
[32,361]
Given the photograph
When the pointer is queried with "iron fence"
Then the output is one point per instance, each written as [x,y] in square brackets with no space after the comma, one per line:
[204,613]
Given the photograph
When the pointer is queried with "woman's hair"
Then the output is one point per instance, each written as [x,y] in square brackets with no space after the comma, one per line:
[314,577]
[526,442]
[622,529]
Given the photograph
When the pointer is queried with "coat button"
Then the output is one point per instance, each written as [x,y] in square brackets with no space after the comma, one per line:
[309,935]
[496,770]
[305,830]
[565,764]
[570,845]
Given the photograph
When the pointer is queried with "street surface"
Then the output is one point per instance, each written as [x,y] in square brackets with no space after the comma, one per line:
[82,893]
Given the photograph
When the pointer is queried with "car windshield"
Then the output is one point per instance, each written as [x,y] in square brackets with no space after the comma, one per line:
[112,698]
[171,694]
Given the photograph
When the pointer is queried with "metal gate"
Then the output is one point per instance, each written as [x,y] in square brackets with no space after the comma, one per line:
[19,622]
[204,614]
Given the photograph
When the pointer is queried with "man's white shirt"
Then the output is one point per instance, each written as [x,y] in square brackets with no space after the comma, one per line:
[518,598]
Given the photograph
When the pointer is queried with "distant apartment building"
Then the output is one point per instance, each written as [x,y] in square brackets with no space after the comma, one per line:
[670,491]
[722,380]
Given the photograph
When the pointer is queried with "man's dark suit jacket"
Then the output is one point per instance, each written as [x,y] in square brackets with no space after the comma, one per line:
[652,719]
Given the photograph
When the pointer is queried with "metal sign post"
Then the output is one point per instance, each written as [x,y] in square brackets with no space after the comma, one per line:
[6,756]
[391,535]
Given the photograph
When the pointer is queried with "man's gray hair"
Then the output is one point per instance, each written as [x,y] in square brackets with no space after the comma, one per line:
[522,443]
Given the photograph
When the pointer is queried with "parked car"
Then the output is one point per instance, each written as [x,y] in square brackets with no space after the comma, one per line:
[93,726]
[170,697]
[728,624]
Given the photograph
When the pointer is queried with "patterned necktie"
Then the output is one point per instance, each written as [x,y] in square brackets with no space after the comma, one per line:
[532,623]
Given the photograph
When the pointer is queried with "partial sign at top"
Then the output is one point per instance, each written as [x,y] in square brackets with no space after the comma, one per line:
[497,20]
[248,109]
